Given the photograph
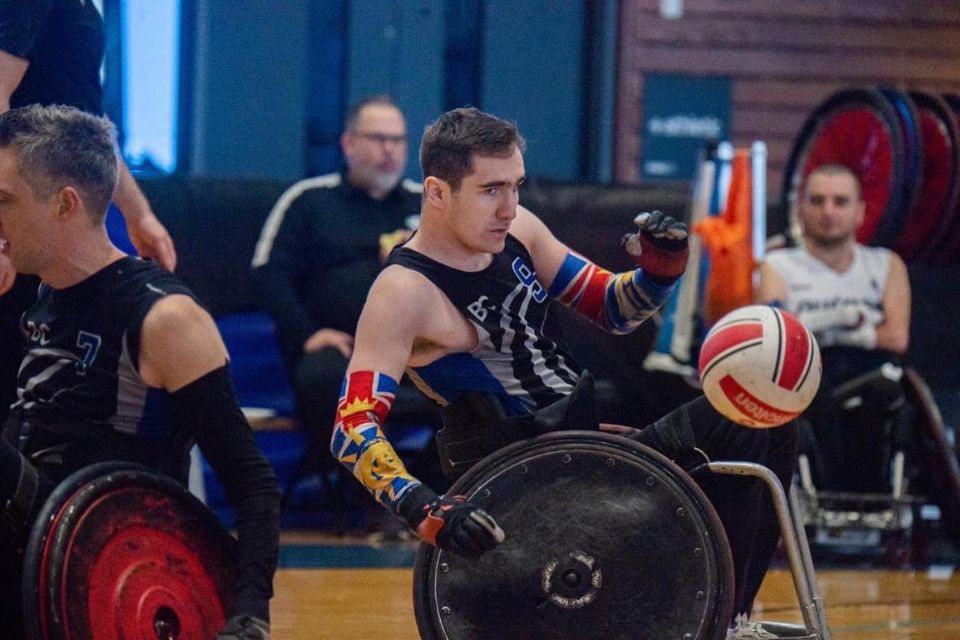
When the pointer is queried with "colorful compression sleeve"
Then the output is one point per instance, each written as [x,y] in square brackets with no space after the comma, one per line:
[358,441]
[617,303]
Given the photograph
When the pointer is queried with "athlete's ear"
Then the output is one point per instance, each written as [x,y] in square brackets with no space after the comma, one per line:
[68,202]
[435,190]
[861,211]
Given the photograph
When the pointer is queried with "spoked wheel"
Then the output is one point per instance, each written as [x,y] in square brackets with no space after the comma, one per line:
[939,190]
[859,129]
[120,552]
[605,539]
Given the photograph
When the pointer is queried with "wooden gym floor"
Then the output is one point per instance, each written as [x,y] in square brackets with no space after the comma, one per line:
[337,590]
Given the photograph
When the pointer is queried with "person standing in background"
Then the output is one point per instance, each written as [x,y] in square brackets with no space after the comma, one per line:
[50,53]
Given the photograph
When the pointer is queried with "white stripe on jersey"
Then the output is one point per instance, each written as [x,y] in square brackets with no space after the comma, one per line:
[261,255]
[539,362]
[64,359]
[503,370]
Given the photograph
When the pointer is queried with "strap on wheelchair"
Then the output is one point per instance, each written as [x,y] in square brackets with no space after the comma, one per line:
[475,425]
[878,388]
[18,508]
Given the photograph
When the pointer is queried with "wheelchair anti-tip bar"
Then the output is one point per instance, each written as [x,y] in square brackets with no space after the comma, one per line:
[797,547]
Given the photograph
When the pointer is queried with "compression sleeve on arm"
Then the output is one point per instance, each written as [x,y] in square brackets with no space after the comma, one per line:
[207,407]
[617,303]
[358,441]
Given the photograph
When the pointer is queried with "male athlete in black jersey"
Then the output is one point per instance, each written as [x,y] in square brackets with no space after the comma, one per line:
[461,308]
[122,362]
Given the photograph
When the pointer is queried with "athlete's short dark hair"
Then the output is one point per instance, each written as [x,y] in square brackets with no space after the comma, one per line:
[449,144]
[57,146]
[836,169]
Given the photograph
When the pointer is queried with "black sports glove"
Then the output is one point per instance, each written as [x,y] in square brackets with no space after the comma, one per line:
[660,246]
[450,523]
[245,627]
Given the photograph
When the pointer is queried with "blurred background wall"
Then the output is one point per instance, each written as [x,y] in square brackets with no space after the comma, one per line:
[262,84]
[259,88]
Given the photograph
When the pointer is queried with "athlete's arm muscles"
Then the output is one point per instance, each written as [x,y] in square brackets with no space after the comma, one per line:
[392,319]
[181,351]
[893,334]
[772,287]
[179,343]
[12,70]
[617,303]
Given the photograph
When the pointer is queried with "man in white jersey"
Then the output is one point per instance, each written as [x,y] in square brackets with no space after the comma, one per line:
[849,295]
[856,301]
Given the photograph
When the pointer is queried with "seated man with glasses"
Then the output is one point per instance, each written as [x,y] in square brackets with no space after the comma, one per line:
[321,248]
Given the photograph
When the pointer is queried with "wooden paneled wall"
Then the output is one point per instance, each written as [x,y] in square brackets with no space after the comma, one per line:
[783,58]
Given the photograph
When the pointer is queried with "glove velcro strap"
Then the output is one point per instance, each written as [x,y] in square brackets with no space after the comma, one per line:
[414,505]
[430,526]
[660,262]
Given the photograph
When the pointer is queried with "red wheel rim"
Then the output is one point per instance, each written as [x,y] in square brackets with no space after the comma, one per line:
[858,138]
[944,248]
[131,556]
[133,591]
[936,196]
[862,130]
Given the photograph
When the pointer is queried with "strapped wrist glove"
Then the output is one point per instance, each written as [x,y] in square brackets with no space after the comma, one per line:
[863,337]
[450,523]
[245,627]
[821,321]
[660,247]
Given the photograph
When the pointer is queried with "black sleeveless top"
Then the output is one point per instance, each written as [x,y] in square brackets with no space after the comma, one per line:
[508,306]
[79,381]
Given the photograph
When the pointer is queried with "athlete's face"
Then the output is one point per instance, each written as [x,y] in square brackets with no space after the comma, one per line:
[485,205]
[24,217]
[376,149]
[831,210]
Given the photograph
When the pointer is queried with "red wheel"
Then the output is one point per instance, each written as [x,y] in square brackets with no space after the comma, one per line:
[859,129]
[122,553]
[944,247]
[939,187]
[909,117]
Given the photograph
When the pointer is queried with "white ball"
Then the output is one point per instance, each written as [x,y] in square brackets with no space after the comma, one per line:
[760,366]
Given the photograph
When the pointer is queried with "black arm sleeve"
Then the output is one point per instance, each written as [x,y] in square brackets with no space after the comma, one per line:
[208,408]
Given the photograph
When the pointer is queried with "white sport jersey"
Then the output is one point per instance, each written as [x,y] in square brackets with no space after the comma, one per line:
[813,286]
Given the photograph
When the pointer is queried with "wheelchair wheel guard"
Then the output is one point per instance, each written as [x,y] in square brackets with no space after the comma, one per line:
[606,538]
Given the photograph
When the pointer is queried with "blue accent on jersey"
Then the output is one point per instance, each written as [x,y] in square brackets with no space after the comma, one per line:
[90,343]
[451,375]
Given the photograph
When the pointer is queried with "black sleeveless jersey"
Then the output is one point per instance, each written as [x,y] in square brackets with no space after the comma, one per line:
[508,307]
[79,380]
